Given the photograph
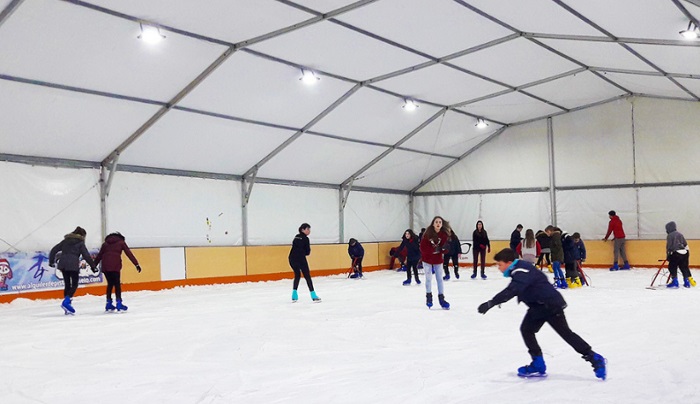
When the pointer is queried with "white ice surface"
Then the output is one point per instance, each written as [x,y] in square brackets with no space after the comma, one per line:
[369,341]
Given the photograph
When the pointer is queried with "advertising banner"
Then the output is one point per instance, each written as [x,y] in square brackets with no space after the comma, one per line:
[23,272]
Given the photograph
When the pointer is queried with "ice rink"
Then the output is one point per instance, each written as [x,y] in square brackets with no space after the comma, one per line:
[369,341]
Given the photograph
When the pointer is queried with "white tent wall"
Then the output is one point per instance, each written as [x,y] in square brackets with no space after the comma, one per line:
[375,217]
[41,204]
[622,148]
[462,211]
[171,211]
[275,213]
[586,211]
[517,158]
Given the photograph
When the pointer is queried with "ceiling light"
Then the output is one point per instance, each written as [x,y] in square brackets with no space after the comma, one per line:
[691,32]
[150,34]
[410,105]
[308,77]
[481,124]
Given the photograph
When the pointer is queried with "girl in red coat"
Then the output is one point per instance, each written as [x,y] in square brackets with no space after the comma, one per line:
[111,257]
[432,247]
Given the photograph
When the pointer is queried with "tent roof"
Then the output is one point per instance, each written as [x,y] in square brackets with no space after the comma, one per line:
[221,94]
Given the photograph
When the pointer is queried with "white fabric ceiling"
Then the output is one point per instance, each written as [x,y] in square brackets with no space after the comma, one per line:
[76,83]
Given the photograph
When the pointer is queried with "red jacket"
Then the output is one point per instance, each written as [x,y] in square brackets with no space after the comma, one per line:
[615,227]
[111,253]
[431,251]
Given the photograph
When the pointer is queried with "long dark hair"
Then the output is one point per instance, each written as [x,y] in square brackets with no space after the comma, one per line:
[430,232]
[529,238]
[412,235]
[483,229]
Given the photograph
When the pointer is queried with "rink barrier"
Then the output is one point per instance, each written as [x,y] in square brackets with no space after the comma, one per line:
[166,268]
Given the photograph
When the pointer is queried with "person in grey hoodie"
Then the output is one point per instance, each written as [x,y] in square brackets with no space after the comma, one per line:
[678,255]
[71,248]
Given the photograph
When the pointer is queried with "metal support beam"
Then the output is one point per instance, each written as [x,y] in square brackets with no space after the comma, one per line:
[589,38]
[353,177]
[247,183]
[9,9]
[460,158]
[343,194]
[106,177]
[687,13]
[306,127]
[552,182]
[411,209]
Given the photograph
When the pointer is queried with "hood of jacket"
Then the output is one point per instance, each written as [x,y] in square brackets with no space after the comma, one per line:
[670,227]
[73,238]
[114,238]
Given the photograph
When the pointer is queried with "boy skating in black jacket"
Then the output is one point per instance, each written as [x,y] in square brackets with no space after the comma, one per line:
[546,305]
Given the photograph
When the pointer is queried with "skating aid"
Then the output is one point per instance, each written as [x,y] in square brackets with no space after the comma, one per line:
[656,275]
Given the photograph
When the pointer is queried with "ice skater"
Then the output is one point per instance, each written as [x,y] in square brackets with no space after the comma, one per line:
[546,305]
[453,253]
[297,260]
[432,247]
[412,246]
[678,256]
[356,253]
[111,257]
[615,228]
[482,244]
[72,247]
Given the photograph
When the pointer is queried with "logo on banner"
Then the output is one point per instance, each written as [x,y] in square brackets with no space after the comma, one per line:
[21,272]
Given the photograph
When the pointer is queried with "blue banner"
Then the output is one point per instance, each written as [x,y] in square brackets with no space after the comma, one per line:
[22,272]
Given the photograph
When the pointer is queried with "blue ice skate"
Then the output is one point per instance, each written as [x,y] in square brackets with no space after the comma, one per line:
[615,267]
[483,276]
[407,282]
[474,275]
[686,283]
[429,300]
[417,281]
[315,297]
[443,302]
[295,296]
[109,306]
[535,369]
[626,267]
[673,284]
[446,277]
[66,305]
[598,363]
[120,306]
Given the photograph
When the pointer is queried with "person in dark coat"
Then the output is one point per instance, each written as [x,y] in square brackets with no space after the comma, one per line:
[72,248]
[544,240]
[678,256]
[516,237]
[111,257]
[481,244]
[571,270]
[411,245]
[455,249]
[545,305]
[297,260]
[557,248]
[356,253]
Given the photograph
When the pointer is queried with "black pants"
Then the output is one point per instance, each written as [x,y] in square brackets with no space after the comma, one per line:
[357,267]
[675,261]
[571,271]
[536,317]
[446,263]
[412,264]
[301,267]
[114,281]
[541,259]
[70,282]
[479,252]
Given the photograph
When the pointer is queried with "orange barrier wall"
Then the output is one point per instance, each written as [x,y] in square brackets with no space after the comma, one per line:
[210,265]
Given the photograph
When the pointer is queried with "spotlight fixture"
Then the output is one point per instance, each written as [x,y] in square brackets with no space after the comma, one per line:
[481,123]
[410,105]
[691,32]
[150,34]
[308,77]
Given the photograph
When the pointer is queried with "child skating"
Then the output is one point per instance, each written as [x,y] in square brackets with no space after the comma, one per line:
[297,260]
[412,246]
[111,257]
[678,256]
[71,248]
[545,305]
[432,247]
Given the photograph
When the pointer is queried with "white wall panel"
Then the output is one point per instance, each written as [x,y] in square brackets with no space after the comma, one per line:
[586,211]
[376,217]
[172,264]
[42,204]
[594,146]
[275,213]
[167,211]
[462,211]
[502,212]
[666,140]
[517,158]
[658,206]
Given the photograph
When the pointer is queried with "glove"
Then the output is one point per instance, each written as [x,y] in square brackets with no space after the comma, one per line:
[484,307]
[52,264]
[138,268]
[489,250]
[483,247]
[95,270]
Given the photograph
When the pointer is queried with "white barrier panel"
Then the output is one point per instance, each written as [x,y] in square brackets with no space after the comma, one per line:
[172,264]
[586,211]
[166,211]
[658,206]
[594,146]
[502,212]
[375,217]
[275,213]
[41,204]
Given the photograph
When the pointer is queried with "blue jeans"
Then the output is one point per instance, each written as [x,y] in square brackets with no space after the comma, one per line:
[428,269]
